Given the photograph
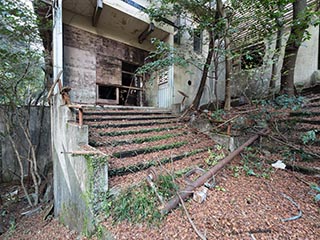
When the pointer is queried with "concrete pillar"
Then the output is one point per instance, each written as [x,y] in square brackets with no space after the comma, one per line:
[57,40]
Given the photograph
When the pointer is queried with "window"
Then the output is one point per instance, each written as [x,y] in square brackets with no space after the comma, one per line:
[197,40]
[252,56]
[162,77]
[177,32]
[107,94]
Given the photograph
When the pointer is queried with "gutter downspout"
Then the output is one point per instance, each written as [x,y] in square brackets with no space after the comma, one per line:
[57,41]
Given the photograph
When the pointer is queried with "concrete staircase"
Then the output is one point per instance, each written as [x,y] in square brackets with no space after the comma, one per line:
[302,122]
[140,139]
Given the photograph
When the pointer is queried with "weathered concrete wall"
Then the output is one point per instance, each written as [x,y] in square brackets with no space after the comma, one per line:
[188,79]
[255,82]
[307,61]
[76,178]
[91,59]
[39,127]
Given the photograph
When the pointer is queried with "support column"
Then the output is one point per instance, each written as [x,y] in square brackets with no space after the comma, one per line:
[57,41]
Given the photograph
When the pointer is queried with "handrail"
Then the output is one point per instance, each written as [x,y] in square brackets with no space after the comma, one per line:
[80,112]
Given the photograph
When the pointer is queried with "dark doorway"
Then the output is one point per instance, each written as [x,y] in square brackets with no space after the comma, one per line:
[130,93]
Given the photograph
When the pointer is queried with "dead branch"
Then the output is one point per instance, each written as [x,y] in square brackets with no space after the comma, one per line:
[292,146]
[295,204]
[20,165]
[53,86]
[33,167]
[203,237]
[222,124]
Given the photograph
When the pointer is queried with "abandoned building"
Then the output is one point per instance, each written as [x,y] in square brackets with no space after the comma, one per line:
[97,47]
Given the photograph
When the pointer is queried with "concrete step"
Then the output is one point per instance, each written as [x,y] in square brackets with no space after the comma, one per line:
[152,162]
[135,131]
[102,118]
[125,124]
[120,112]
[133,139]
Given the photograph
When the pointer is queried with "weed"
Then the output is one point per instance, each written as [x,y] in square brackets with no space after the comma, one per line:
[219,188]
[138,203]
[252,165]
[284,101]
[215,155]
[166,186]
[218,114]
[131,153]
[131,132]
[309,137]
[317,189]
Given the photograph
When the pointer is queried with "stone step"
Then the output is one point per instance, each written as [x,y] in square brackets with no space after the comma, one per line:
[125,124]
[153,162]
[109,141]
[305,114]
[136,131]
[97,118]
[301,120]
[121,112]
[136,152]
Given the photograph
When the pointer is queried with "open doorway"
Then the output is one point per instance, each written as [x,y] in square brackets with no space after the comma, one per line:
[131,91]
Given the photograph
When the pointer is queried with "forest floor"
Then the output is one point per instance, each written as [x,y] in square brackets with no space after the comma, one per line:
[251,199]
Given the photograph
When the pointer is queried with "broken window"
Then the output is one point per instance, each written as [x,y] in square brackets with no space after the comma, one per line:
[107,92]
[162,77]
[252,56]
[177,32]
[197,40]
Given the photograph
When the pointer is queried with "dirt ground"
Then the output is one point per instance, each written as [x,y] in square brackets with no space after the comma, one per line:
[245,204]
[244,207]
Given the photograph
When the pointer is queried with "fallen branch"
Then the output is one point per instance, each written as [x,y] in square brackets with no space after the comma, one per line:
[295,204]
[203,237]
[224,123]
[293,147]
[204,178]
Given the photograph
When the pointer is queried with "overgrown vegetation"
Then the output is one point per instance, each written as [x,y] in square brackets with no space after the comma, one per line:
[22,86]
[252,165]
[139,203]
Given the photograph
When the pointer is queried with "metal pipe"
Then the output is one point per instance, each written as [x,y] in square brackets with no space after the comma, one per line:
[184,194]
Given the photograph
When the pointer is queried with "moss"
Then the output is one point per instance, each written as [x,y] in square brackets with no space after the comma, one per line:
[91,196]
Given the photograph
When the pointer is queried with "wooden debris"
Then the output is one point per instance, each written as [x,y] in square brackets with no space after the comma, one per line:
[54,85]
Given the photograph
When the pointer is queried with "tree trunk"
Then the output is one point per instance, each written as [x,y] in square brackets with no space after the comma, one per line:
[277,52]
[44,16]
[227,96]
[295,38]
[196,101]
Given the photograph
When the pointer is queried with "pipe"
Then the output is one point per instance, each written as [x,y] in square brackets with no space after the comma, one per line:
[184,194]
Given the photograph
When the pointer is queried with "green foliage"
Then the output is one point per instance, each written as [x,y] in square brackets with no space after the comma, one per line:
[166,186]
[316,188]
[219,188]
[215,155]
[309,136]
[252,165]
[135,204]
[284,101]
[218,114]
[161,58]
[138,203]
[20,67]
